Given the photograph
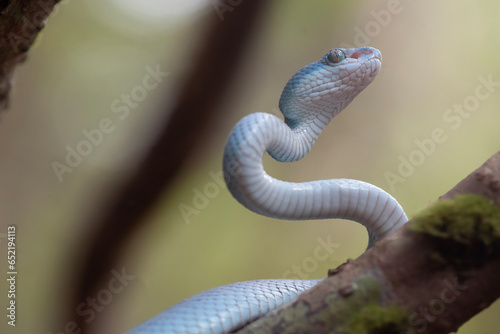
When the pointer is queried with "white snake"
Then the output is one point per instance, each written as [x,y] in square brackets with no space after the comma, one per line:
[310,99]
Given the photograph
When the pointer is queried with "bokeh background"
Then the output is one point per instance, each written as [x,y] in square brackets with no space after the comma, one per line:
[93,51]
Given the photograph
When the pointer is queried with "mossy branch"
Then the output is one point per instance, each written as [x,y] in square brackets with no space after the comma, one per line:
[431,276]
[20,23]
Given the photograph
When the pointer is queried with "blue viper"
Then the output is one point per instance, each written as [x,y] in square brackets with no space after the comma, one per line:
[310,100]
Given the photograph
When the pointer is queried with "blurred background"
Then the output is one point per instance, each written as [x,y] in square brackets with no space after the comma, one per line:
[92,53]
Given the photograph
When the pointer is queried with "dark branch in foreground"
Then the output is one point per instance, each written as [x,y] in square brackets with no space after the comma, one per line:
[20,23]
[431,276]
[200,97]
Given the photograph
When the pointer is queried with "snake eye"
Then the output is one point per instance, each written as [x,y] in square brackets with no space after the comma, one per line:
[335,56]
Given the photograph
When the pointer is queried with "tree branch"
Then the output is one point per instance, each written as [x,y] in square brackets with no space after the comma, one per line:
[431,276]
[20,23]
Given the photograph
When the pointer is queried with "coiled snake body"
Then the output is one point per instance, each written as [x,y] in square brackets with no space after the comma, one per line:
[310,99]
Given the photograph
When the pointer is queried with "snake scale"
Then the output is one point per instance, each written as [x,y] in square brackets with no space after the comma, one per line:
[310,100]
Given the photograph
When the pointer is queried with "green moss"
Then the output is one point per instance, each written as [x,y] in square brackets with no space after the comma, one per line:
[353,310]
[465,230]
[375,319]
[361,312]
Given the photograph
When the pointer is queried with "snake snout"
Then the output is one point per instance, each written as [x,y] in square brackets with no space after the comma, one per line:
[366,52]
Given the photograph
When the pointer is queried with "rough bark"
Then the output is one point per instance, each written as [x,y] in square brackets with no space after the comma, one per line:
[421,279]
[20,23]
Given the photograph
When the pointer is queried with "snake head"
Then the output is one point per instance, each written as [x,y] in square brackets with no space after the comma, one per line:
[323,88]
